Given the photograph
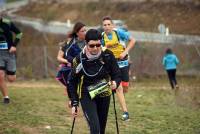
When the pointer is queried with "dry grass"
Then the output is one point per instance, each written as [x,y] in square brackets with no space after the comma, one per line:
[152,106]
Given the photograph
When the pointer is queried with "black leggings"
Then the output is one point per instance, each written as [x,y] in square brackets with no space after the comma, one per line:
[172,77]
[96,112]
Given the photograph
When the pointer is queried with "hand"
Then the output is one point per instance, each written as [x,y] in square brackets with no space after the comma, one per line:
[74,111]
[69,64]
[109,45]
[113,85]
[122,55]
[59,67]
[13,49]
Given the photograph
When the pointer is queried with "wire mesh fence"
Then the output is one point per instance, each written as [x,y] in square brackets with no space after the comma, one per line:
[40,61]
[147,59]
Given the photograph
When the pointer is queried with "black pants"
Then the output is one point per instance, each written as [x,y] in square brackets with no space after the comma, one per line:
[172,77]
[96,112]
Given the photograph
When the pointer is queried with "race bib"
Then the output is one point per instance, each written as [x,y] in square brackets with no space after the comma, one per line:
[4,45]
[101,89]
[122,64]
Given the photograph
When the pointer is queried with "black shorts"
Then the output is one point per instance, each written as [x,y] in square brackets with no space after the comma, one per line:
[124,74]
[124,69]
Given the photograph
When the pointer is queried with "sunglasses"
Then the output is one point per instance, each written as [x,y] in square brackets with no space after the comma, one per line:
[94,45]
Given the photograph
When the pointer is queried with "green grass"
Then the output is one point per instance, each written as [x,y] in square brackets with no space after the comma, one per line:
[8,1]
[154,109]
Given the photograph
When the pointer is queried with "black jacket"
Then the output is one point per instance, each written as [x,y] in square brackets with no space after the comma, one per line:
[105,67]
[6,30]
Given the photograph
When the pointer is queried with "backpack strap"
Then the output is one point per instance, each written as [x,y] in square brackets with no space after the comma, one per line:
[102,34]
[115,31]
[70,44]
[116,35]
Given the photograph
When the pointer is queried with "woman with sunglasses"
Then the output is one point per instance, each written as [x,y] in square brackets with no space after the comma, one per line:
[70,50]
[94,73]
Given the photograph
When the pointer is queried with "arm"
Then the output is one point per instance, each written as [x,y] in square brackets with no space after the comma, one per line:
[72,89]
[114,70]
[18,36]
[128,48]
[163,61]
[125,36]
[177,60]
[73,84]
[60,57]
[70,58]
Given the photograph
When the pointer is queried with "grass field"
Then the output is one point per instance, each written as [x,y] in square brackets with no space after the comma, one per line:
[12,1]
[154,109]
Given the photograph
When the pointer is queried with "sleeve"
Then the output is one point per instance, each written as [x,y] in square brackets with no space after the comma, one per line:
[114,69]
[70,58]
[177,60]
[18,33]
[102,42]
[102,39]
[71,49]
[163,61]
[63,48]
[66,49]
[73,84]
[123,35]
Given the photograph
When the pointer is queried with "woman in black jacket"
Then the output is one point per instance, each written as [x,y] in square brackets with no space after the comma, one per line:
[94,73]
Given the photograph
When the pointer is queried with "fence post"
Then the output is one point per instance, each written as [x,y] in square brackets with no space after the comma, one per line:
[45,62]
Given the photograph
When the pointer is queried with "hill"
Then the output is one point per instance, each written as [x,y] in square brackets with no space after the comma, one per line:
[181,18]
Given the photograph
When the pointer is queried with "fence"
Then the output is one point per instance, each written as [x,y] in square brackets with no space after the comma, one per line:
[37,62]
[40,61]
[147,59]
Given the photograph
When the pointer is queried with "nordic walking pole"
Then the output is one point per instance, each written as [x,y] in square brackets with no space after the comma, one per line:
[73,125]
[113,94]
[73,122]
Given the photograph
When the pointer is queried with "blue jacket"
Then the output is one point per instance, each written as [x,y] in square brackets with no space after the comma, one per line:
[72,49]
[170,61]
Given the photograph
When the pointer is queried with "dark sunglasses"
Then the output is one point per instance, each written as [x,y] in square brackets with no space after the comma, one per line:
[94,45]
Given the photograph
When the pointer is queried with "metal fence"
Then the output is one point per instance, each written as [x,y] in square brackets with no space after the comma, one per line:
[40,61]
[37,62]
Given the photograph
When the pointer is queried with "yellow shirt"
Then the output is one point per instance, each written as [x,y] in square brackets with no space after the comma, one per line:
[113,44]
